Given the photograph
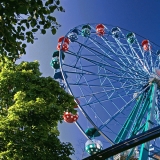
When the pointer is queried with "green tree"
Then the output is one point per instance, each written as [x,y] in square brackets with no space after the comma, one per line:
[30,108]
[20,19]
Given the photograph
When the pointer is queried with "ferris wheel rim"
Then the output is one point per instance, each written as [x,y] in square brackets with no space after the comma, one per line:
[68,86]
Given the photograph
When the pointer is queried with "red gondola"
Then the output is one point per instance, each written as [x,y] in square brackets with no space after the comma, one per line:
[65,45]
[100,29]
[69,117]
[145,44]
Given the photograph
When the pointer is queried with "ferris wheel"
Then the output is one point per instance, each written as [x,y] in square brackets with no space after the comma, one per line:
[114,75]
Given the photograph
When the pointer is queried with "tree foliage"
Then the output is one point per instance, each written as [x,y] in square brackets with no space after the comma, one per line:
[20,19]
[30,108]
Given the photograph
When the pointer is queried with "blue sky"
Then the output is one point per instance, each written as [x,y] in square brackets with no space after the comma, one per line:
[141,17]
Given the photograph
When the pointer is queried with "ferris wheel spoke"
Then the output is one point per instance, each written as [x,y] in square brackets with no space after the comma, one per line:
[132,57]
[115,96]
[106,87]
[134,54]
[111,74]
[100,86]
[116,91]
[103,91]
[116,78]
[118,66]
[105,136]
[129,90]
[122,81]
[157,63]
[93,109]
[81,83]
[80,50]
[123,108]
[142,61]
[111,95]
[135,86]
[97,98]
[112,50]
[126,53]
[93,80]
[99,45]
[124,66]
[132,48]
[145,64]
[106,91]
[87,102]
[81,70]
[151,61]
[106,100]
[113,90]
[104,65]
[114,105]
[116,114]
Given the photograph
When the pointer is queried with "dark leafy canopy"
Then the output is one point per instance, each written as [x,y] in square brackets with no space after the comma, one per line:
[30,108]
[20,19]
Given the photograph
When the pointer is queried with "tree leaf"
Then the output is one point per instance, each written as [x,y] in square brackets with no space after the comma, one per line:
[19,29]
[61,9]
[23,21]
[27,25]
[53,31]
[24,45]
[47,25]
[42,22]
[28,33]
[22,10]
[52,8]
[43,31]
[38,26]
[33,23]
[52,18]
[50,1]
[57,2]
[34,30]
[23,28]
[29,18]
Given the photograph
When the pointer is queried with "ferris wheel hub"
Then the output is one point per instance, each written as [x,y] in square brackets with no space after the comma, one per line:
[155,79]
